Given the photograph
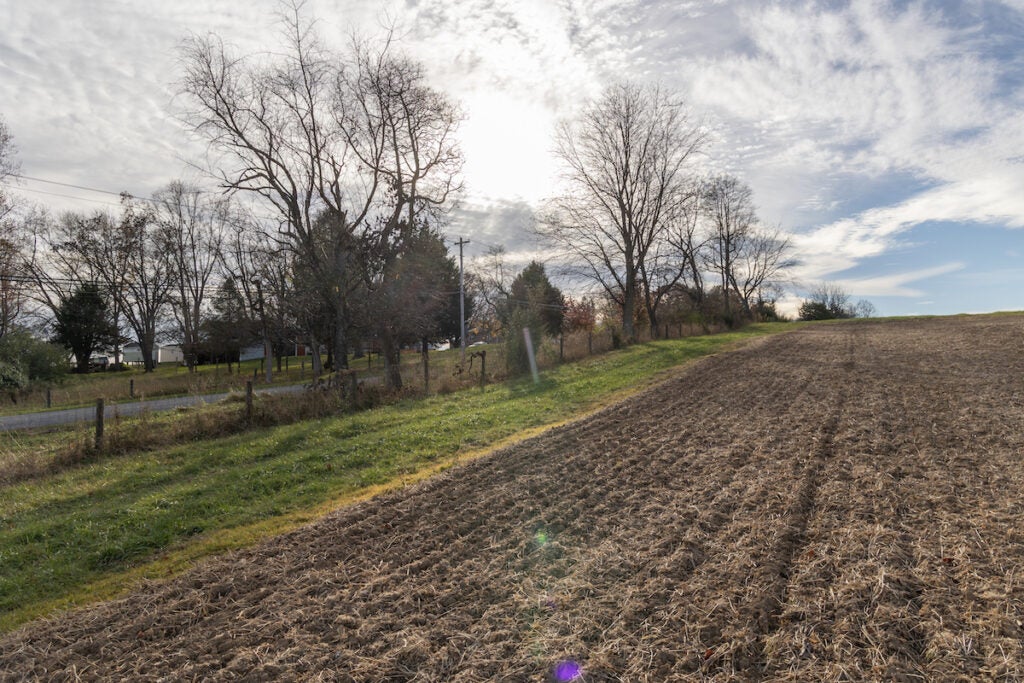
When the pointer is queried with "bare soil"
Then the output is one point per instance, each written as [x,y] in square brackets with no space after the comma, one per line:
[839,503]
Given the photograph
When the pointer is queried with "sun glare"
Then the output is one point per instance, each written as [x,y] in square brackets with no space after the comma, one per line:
[507,146]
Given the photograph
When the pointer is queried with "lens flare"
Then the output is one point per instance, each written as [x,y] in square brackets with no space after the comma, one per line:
[567,671]
[540,538]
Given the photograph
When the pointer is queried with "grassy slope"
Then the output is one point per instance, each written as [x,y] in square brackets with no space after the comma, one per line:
[91,532]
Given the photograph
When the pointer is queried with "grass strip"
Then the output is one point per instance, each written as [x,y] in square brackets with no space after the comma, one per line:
[93,532]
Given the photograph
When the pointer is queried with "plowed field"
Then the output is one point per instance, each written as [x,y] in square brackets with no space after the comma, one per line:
[840,503]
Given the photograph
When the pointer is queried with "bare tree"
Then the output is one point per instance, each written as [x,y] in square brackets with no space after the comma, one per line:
[190,231]
[746,257]
[728,209]
[147,284]
[490,280]
[346,152]
[11,285]
[626,159]
[760,264]
[56,255]
[827,301]
[8,167]
[246,255]
[11,292]
[688,240]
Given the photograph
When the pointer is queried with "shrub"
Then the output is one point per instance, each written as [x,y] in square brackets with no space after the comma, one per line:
[26,360]
[517,359]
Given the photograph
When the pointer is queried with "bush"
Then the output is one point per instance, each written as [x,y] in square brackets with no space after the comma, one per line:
[26,360]
[517,359]
[13,378]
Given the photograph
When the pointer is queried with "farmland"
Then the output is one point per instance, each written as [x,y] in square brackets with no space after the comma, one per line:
[837,503]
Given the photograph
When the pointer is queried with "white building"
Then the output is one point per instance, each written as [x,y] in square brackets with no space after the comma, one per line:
[164,353]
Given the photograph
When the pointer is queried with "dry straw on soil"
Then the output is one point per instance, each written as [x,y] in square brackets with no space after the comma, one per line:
[842,503]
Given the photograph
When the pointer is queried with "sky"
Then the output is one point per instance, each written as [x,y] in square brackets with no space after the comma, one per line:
[886,138]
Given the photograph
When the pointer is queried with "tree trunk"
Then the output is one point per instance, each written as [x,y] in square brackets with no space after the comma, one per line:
[317,363]
[340,347]
[81,361]
[268,358]
[392,361]
[146,344]
[628,309]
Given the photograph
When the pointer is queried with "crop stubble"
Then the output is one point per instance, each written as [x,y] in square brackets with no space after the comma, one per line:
[841,503]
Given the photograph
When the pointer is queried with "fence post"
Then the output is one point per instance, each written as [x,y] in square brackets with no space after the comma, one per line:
[131,388]
[48,397]
[302,373]
[353,387]
[99,424]
[426,370]
[561,348]
[483,368]
[248,400]
[590,342]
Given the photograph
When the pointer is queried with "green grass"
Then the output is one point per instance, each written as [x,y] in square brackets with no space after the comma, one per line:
[92,531]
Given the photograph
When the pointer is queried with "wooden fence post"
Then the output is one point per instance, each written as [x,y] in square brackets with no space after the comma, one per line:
[48,397]
[131,388]
[483,368]
[248,400]
[426,370]
[590,342]
[561,348]
[353,387]
[99,424]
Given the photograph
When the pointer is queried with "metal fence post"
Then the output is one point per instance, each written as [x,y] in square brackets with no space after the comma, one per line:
[99,424]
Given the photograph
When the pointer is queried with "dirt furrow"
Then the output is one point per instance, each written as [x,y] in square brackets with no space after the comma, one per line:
[826,505]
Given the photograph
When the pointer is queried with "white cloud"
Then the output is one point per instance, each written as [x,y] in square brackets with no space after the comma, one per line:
[825,95]
[817,104]
[895,284]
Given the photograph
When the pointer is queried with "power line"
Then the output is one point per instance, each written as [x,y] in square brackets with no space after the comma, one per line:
[67,196]
[73,186]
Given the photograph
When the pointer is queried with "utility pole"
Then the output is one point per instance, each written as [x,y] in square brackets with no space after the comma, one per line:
[267,355]
[462,302]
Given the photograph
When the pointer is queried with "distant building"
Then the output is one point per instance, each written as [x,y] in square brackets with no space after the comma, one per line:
[163,353]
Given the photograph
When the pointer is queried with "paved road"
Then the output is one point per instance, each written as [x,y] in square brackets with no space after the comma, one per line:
[53,418]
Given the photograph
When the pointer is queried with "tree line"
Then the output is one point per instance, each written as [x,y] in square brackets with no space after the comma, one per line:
[337,171]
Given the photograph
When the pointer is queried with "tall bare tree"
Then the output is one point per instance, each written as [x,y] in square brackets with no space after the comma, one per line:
[147,282]
[728,208]
[246,255]
[626,165]
[347,150]
[745,257]
[190,230]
